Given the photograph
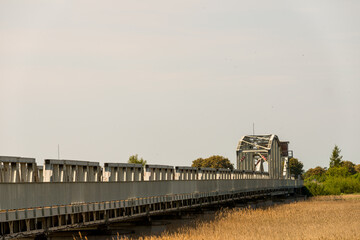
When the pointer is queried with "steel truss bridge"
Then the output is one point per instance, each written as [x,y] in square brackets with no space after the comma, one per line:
[65,194]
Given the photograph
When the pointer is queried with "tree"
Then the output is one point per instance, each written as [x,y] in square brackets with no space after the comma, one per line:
[135,159]
[350,166]
[215,161]
[296,167]
[315,173]
[357,168]
[200,162]
[335,158]
[338,172]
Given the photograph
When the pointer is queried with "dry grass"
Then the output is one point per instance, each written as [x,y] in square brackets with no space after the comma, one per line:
[320,218]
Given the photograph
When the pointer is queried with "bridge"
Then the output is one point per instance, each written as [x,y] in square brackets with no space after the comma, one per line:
[65,194]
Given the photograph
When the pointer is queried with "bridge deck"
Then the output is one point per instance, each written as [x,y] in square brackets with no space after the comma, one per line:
[30,208]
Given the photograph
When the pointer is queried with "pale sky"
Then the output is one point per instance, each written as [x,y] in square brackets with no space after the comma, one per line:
[177,80]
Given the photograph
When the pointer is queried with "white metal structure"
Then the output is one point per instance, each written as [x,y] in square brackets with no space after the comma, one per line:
[254,151]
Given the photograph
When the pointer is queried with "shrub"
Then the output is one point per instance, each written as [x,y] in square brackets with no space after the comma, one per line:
[357,168]
[350,166]
[315,188]
[334,185]
[339,185]
[338,172]
[317,174]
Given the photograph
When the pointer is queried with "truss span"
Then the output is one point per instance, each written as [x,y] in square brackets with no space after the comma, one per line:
[264,153]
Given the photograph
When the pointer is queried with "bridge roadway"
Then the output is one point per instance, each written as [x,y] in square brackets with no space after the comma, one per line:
[35,208]
[67,194]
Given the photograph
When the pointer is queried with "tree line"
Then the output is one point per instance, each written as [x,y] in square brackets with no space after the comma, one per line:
[341,177]
[215,161]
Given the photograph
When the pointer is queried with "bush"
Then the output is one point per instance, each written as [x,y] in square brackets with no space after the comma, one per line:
[316,178]
[343,185]
[356,176]
[338,172]
[350,166]
[334,186]
[357,168]
[317,174]
[315,188]
[341,177]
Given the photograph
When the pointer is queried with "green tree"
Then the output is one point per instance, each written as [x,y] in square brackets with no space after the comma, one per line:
[317,173]
[135,159]
[296,167]
[335,158]
[338,172]
[200,162]
[357,168]
[350,166]
[215,161]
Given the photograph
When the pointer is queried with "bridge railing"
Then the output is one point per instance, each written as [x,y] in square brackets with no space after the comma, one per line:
[120,172]
[206,173]
[186,173]
[17,169]
[223,173]
[158,173]
[71,171]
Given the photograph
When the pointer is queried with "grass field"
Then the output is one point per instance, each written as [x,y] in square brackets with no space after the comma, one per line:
[327,217]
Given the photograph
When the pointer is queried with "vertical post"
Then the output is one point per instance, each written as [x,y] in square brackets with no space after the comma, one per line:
[73,173]
[15,172]
[23,172]
[61,173]
[1,173]
[30,172]
[128,174]
[122,172]
[69,173]
[112,174]
[96,173]
[136,174]
[80,174]
[86,173]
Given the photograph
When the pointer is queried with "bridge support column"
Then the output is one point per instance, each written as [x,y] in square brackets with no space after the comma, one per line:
[60,219]
[27,222]
[11,227]
[147,210]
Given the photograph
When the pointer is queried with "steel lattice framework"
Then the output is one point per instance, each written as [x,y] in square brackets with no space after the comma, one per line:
[255,150]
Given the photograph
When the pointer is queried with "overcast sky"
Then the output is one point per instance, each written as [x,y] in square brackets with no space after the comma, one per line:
[177,80]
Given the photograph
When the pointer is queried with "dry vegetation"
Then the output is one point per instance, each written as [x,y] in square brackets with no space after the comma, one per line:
[324,217]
